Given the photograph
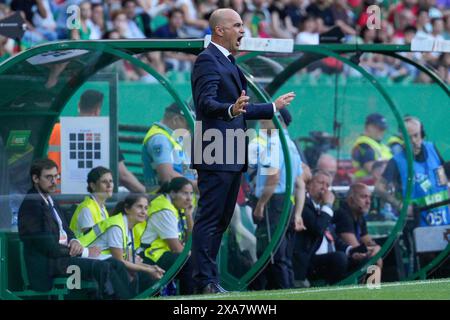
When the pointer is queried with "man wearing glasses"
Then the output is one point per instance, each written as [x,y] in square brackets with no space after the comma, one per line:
[50,246]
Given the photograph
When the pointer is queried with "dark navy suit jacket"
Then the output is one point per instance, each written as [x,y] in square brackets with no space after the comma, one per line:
[44,256]
[217,84]
[309,240]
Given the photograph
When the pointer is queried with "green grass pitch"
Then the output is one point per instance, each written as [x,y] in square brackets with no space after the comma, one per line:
[415,290]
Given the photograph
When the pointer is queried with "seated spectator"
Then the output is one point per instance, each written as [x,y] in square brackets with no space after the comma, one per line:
[118,237]
[259,19]
[318,252]
[403,19]
[172,27]
[98,27]
[351,226]
[343,16]
[296,11]
[176,61]
[327,163]
[50,247]
[92,210]
[195,25]
[240,6]
[405,9]
[308,32]
[121,23]
[138,24]
[423,24]
[45,22]
[321,11]
[86,30]
[168,228]
[368,35]
[436,34]
[281,26]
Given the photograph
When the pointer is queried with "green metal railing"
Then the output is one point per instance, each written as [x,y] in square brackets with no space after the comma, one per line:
[105,53]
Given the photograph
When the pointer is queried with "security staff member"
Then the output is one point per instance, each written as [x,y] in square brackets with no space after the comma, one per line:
[368,147]
[168,226]
[118,236]
[163,155]
[270,193]
[430,184]
[93,210]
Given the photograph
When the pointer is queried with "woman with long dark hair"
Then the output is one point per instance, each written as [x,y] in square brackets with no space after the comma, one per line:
[168,226]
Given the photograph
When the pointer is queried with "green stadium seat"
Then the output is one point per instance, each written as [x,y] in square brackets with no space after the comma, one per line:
[59,289]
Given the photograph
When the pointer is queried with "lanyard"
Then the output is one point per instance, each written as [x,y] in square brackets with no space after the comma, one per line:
[132,246]
[102,208]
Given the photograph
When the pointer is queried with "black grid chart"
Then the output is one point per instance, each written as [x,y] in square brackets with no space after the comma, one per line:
[85,148]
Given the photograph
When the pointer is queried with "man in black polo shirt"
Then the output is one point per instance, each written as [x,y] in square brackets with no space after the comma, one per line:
[351,225]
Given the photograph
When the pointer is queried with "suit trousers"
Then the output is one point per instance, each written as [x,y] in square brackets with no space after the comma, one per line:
[218,195]
[111,276]
[330,266]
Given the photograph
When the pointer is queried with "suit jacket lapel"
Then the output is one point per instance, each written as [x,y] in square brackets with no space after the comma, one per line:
[227,63]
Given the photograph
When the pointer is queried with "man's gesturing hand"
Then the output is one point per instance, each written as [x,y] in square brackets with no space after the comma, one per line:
[240,104]
[284,100]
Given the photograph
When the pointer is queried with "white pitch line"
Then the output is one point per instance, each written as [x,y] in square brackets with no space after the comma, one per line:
[292,292]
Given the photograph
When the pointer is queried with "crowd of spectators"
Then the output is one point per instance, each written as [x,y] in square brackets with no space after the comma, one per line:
[301,20]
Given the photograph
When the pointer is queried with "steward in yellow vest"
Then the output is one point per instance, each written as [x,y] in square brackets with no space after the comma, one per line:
[168,226]
[163,156]
[92,210]
[382,153]
[368,148]
[119,236]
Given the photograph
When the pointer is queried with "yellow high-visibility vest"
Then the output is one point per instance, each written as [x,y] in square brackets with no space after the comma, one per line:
[95,210]
[381,151]
[158,129]
[158,247]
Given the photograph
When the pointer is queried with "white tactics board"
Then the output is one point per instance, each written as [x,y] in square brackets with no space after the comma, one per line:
[84,145]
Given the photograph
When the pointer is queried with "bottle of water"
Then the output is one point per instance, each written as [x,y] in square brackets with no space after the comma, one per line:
[170,289]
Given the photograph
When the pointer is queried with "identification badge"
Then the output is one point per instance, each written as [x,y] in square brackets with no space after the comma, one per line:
[441,177]
[426,185]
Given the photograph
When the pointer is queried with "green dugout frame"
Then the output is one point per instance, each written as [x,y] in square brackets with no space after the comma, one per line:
[14,71]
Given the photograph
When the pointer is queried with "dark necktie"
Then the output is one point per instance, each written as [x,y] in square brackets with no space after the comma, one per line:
[232,59]
[330,241]
[241,75]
